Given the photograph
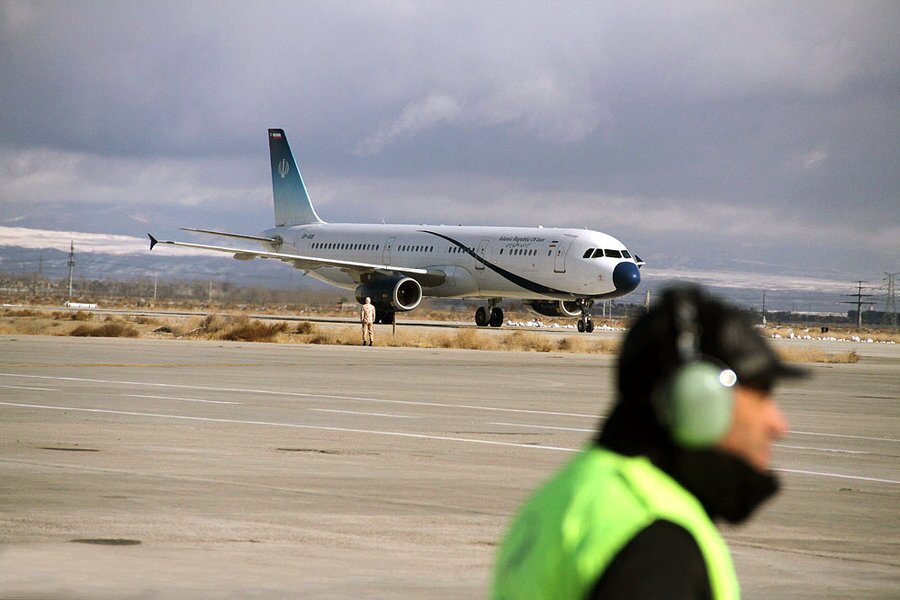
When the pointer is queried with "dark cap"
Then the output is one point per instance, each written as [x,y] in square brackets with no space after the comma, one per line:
[720,333]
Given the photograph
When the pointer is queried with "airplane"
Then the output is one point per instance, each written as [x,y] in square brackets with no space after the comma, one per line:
[556,272]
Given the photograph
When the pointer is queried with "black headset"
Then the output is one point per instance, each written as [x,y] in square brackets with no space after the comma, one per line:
[695,403]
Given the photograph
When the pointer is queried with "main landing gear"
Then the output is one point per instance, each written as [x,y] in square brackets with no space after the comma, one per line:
[384,317]
[489,315]
[585,323]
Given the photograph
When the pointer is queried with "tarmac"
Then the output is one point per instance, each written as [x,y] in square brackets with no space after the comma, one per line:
[184,469]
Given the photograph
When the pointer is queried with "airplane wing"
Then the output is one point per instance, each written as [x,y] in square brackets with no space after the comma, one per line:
[306,263]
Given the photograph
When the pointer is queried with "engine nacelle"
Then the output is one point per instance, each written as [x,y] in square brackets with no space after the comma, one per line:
[554,308]
[400,293]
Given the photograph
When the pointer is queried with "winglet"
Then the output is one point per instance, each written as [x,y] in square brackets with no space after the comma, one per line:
[153,240]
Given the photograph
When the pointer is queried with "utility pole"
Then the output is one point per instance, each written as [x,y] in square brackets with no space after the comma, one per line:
[859,302]
[71,265]
[155,284]
[764,309]
[890,305]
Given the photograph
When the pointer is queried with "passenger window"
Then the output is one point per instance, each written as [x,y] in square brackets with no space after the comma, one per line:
[613,254]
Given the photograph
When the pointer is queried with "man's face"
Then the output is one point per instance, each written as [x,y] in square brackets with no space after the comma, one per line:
[755,424]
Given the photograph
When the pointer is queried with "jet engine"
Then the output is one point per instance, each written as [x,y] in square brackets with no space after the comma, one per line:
[554,308]
[398,293]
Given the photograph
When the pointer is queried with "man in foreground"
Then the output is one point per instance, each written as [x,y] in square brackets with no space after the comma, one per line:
[688,442]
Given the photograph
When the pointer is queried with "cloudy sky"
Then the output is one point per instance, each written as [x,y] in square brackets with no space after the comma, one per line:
[726,137]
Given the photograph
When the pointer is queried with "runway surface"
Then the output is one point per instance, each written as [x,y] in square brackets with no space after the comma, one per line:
[180,469]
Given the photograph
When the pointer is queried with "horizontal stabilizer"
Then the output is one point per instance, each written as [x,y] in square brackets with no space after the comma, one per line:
[239,236]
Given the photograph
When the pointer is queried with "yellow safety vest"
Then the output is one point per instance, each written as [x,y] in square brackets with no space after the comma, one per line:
[572,528]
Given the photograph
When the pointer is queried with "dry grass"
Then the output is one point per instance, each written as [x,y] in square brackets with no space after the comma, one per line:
[305,328]
[242,328]
[22,313]
[459,339]
[806,354]
[108,329]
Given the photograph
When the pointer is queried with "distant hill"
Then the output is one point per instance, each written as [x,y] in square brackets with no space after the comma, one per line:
[166,266]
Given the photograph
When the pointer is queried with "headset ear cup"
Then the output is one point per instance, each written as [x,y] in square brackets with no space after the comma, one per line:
[699,405]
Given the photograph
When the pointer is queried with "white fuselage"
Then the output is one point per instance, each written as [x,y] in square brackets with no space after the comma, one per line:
[477,261]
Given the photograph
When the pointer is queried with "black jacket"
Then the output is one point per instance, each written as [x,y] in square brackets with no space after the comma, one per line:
[664,561]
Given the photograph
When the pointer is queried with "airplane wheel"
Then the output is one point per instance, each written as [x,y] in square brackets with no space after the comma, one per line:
[481,316]
[589,326]
[580,326]
[496,317]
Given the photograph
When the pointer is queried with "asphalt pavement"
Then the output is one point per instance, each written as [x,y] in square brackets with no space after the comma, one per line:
[184,469]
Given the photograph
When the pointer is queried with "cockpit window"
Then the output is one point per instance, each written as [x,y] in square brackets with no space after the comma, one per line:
[626,254]
[588,252]
[598,253]
[613,253]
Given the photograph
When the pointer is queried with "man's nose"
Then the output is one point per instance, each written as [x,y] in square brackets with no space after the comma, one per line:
[778,422]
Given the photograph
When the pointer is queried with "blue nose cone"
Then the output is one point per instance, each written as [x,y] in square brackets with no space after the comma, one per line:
[626,277]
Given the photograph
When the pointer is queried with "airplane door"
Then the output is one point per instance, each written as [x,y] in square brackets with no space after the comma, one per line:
[482,252]
[386,253]
[559,261]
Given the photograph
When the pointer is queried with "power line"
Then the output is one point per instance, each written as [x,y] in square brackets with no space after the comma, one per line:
[890,305]
[859,296]
[71,265]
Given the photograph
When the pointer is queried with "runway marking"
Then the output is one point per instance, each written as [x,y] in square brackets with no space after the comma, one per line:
[367,414]
[381,400]
[180,399]
[838,476]
[23,387]
[544,427]
[303,395]
[420,436]
[843,435]
[821,449]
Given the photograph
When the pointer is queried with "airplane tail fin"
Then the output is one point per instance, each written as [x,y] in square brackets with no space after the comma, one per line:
[292,203]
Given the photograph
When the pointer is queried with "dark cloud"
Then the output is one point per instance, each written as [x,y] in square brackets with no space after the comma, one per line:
[726,130]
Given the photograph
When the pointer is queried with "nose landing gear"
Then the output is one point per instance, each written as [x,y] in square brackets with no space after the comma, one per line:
[585,323]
